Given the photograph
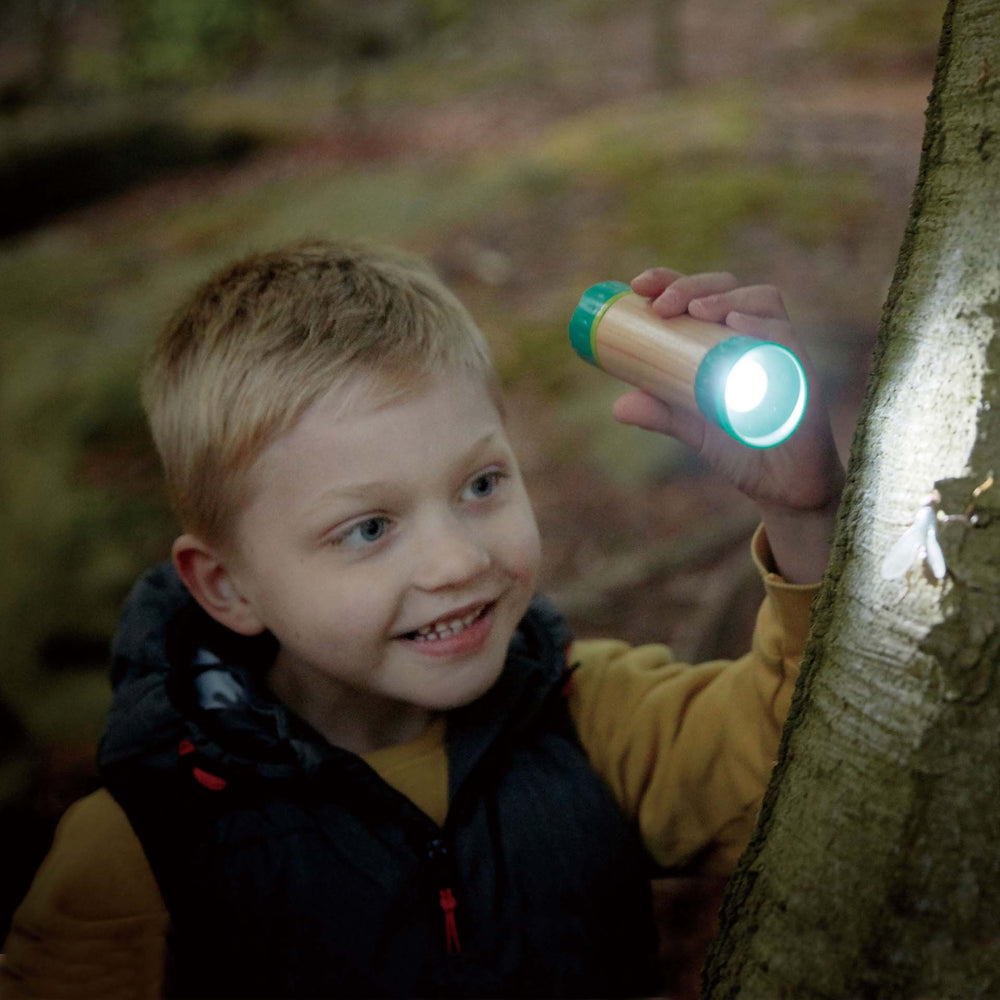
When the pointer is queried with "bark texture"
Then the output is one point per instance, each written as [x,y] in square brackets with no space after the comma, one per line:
[875,868]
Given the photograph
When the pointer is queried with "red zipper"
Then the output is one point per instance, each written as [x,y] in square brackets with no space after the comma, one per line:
[448,904]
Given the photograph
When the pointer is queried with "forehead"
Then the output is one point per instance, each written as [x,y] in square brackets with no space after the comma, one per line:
[367,431]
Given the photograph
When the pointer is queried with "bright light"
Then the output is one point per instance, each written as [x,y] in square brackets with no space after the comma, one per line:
[753,389]
[746,386]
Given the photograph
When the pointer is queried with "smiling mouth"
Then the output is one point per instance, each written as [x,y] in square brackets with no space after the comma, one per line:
[448,627]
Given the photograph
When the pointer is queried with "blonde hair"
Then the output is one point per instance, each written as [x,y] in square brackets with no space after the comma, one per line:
[263,339]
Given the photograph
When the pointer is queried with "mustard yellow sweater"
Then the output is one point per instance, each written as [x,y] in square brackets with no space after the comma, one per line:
[685,749]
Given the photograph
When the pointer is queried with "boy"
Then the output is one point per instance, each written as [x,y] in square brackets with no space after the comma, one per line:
[349,753]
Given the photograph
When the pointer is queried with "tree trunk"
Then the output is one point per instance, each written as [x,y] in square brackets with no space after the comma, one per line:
[875,868]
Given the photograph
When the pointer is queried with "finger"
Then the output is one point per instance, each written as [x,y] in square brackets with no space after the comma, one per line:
[675,299]
[639,409]
[764,328]
[755,300]
[780,332]
[653,281]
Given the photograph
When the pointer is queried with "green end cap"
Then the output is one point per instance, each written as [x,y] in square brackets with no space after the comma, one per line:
[588,313]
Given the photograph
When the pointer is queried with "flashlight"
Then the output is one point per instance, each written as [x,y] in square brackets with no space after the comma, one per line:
[755,390]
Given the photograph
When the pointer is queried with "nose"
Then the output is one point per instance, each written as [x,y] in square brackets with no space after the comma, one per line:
[450,553]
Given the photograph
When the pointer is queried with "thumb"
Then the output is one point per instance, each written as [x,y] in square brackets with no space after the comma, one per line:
[639,409]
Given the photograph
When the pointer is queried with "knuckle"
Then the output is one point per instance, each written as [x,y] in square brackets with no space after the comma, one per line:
[769,292]
[666,274]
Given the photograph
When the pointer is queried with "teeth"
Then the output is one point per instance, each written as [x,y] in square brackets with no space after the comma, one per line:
[444,629]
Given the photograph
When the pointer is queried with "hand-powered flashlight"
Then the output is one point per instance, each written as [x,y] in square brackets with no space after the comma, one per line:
[753,389]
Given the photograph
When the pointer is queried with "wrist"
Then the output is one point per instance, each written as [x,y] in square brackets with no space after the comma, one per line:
[800,540]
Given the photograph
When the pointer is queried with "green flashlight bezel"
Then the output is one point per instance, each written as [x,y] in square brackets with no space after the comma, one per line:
[710,390]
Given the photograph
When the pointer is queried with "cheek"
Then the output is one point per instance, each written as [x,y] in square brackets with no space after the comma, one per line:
[357,612]
[524,553]
[316,609]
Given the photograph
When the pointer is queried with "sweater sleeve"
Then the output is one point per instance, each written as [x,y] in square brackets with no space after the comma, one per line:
[687,750]
[93,923]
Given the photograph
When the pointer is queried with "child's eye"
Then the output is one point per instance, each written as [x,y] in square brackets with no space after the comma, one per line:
[482,486]
[362,533]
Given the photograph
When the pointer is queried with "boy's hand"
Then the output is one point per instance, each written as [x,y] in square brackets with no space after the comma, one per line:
[797,484]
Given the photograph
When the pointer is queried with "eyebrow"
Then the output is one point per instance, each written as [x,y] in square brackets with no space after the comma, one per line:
[362,490]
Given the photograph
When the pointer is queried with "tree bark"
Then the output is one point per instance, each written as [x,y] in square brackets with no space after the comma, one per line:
[874,871]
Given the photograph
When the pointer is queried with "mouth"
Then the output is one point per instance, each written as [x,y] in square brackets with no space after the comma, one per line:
[449,626]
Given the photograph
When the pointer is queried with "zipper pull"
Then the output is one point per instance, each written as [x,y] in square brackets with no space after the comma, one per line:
[448,904]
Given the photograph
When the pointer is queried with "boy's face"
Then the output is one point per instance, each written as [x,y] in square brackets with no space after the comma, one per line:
[390,547]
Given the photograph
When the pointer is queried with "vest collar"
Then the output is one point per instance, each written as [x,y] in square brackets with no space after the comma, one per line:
[180,678]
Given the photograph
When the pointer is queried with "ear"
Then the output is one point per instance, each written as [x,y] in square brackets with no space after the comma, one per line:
[204,573]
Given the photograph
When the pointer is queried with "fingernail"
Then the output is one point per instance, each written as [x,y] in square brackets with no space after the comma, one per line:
[737,319]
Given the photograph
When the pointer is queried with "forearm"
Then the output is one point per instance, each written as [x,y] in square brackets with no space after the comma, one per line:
[688,750]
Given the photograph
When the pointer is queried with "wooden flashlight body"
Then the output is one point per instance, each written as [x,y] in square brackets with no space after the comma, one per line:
[659,356]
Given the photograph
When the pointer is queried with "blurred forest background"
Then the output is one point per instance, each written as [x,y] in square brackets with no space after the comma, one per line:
[529,148]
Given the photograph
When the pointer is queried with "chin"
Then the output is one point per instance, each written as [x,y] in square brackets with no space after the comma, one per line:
[466,693]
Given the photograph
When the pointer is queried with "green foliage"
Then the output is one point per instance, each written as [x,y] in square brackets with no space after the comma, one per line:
[193,41]
[686,182]
[871,29]
[619,142]
[77,483]
[888,27]
[445,13]
[537,353]
[691,215]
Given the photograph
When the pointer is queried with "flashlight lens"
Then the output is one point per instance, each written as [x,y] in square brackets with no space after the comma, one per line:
[746,386]
[754,390]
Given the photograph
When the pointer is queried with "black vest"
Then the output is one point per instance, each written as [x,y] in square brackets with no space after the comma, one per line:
[290,869]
